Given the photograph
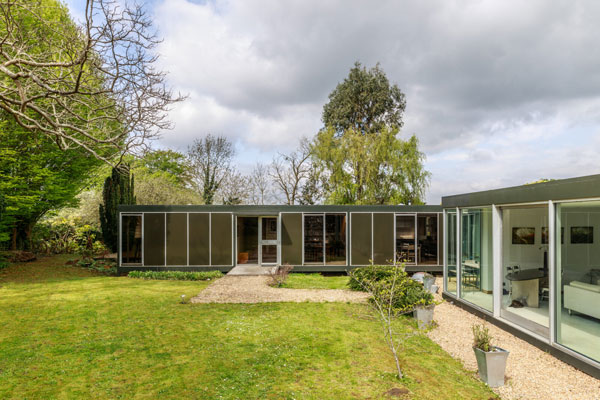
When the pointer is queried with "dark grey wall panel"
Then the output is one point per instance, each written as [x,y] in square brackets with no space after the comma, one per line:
[383,238]
[199,241]
[361,235]
[177,239]
[221,240]
[154,239]
[291,238]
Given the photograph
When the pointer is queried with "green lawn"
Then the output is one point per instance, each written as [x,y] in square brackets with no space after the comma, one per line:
[316,281]
[68,333]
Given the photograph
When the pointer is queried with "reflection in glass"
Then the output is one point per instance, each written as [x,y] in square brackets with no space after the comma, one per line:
[269,228]
[525,267]
[269,254]
[335,239]
[477,257]
[427,237]
[247,240]
[451,251]
[313,239]
[405,239]
[131,239]
[578,280]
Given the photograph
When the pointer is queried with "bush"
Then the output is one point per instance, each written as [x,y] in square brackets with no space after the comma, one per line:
[379,281]
[370,273]
[176,275]
[66,236]
[279,275]
[102,266]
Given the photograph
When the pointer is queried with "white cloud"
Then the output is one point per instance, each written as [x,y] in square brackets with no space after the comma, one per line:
[499,93]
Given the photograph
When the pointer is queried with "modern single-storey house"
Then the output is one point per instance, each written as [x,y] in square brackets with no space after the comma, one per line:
[310,238]
[527,258]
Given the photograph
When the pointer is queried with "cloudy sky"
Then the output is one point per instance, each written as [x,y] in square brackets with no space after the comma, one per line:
[499,93]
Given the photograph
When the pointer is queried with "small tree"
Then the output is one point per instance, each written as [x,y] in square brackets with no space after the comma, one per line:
[118,189]
[392,294]
[291,171]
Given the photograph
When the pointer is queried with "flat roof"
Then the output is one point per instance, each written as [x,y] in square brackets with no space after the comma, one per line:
[276,209]
[560,189]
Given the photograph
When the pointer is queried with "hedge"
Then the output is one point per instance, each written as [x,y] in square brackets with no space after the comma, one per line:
[176,275]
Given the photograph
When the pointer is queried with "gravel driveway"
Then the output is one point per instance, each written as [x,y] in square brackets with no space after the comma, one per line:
[254,289]
[531,373]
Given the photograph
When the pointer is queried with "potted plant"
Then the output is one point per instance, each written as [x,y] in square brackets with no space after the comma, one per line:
[423,311]
[491,360]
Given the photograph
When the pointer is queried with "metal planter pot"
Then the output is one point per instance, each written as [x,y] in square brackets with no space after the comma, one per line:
[492,365]
[424,315]
[428,282]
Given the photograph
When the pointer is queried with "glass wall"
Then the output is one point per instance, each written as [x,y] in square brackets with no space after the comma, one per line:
[405,239]
[325,239]
[335,239]
[451,252]
[477,257]
[131,239]
[578,277]
[427,239]
[525,291]
[313,239]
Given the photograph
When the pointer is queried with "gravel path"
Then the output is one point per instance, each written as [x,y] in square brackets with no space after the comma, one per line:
[531,373]
[254,289]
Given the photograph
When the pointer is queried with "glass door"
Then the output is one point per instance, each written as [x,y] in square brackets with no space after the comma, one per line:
[268,240]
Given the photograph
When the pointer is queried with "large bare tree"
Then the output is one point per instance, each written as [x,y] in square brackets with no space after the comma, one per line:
[259,183]
[210,159]
[93,84]
[290,171]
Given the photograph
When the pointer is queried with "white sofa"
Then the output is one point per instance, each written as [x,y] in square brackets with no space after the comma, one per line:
[583,298]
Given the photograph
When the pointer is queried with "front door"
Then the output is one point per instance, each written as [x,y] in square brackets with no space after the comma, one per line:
[268,240]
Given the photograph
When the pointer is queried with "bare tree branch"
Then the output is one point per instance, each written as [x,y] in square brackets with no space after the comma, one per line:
[290,171]
[94,85]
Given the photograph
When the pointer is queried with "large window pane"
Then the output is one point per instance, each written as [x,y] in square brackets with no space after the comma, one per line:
[313,239]
[524,267]
[131,239]
[291,238]
[578,277]
[477,257]
[335,239]
[427,239]
[247,240]
[154,239]
[221,225]
[383,238]
[177,239]
[361,238]
[199,240]
[451,251]
[405,239]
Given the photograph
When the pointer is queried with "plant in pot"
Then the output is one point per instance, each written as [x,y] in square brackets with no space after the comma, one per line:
[491,360]
[423,311]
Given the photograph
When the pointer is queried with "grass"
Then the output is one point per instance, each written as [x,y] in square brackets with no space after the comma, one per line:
[68,333]
[316,281]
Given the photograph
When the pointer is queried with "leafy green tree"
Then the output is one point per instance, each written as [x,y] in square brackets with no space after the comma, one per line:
[35,178]
[370,169]
[170,163]
[359,155]
[118,189]
[364,102]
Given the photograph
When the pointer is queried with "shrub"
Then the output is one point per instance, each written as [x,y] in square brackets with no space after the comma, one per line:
[391,281]
[370,273]
[481,338]
[176,275]
[279,275]
[66,236]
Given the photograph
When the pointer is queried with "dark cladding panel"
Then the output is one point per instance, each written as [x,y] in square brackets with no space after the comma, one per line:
[154,239]
[177,239]
[383,238]
[199,240]
[291,238]
[221,230]
[361,235]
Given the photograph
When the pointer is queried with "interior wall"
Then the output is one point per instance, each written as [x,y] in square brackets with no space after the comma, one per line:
[526,256]
[578,259]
